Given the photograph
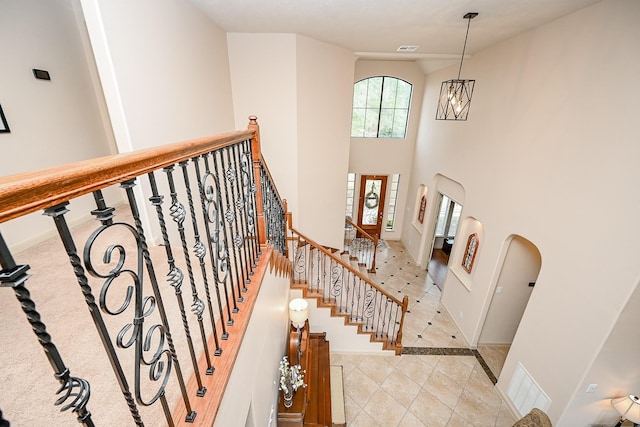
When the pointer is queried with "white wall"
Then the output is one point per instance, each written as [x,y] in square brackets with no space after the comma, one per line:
[342,338]
[165,69]
[263,77]
[325,89]
[386,156]
[300,89]
[52,122]
[254,380]
[520,267]
[613,371]
[546,132]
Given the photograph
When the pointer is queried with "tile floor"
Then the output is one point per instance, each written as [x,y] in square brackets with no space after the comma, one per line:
[448,388]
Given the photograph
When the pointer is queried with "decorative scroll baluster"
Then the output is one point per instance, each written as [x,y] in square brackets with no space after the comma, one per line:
[274,213]
[234,216]
[226,168]
[219,167]
[201,186]
[175,278]
[337,285]
[200,250]
[214,215]
[57,213]
[299,260]
[241,206]
[74,392]
[132,334]
[197,307]
[155,364]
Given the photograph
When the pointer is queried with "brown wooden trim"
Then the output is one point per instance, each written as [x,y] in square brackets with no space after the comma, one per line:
[257,177]
[28,192]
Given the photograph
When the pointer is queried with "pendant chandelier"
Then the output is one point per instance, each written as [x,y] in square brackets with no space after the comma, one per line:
[455,94]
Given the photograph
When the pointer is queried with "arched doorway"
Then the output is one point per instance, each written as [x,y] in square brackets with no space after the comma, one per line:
[516,282]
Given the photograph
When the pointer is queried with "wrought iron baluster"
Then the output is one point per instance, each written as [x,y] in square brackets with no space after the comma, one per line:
[273,211]
[385,312]
[391,325]
[115,270]
[351,286]
[197,307]
[175,278]
[248,188]
[218,237]
[325,294]
[232,217]
[203,206]
[378,322]
[200,251]
[236,205]
[311,267]
[229,215]
[336,286]
[267,200]
[369,305]
[356,298]
[58,214]
[74,392]
[241,207]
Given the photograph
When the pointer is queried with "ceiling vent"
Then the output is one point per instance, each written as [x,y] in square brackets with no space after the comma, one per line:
[406,48]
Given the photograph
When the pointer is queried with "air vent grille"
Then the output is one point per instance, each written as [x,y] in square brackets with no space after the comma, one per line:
[407,48]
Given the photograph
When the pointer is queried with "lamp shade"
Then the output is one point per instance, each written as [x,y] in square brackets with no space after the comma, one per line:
[628,407]
[298,312]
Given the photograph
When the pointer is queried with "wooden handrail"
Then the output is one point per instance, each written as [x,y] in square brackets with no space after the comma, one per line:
[268,172]
[344,264]
[367,235]
[28,192]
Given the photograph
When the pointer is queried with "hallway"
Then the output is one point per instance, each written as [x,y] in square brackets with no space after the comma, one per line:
[438,380]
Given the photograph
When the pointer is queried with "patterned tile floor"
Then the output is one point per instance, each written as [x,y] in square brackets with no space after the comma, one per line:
[440,383]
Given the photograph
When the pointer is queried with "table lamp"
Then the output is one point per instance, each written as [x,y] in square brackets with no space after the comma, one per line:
[298,314]
[628,407]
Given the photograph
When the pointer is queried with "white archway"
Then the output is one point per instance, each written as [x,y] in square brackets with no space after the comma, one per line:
[516,281]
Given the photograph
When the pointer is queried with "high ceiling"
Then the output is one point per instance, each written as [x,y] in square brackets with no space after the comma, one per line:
[376,28]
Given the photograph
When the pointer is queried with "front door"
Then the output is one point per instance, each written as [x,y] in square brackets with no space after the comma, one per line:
[371,203]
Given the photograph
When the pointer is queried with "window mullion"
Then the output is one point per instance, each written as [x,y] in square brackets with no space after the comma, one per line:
[380,109]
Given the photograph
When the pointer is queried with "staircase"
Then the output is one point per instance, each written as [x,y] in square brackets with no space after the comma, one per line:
[341,284]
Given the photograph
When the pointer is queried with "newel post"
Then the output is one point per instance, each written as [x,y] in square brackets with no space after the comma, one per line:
[256,157]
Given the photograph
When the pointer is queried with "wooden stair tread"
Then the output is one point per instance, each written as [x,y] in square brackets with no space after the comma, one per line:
[319,404]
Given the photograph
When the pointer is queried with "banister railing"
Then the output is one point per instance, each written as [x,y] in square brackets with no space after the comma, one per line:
[276,207]
[209,200]
[361,246]
[28,192]
[350,293]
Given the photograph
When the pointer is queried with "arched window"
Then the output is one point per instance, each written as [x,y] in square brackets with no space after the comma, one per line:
[380,108]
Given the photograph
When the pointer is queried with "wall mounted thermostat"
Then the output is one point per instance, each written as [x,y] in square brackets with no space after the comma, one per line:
[41,74]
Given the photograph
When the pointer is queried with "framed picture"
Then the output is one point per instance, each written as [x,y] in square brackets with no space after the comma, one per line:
[470,252]
[4,127]
[423,206]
